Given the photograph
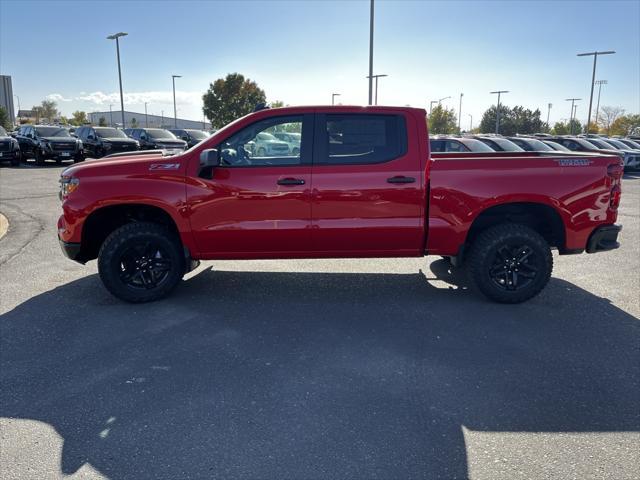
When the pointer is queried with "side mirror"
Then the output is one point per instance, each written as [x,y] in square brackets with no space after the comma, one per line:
[209,159]
[91,137]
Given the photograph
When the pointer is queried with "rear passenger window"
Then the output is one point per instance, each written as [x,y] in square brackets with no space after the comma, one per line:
[437,145]
[358,139]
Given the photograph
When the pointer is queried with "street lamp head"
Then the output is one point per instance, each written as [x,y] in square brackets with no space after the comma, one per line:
[608,52]
[176,76]
[117,35]
[500,91]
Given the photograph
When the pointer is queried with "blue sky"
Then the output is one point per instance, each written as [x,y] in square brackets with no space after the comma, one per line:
[302,51]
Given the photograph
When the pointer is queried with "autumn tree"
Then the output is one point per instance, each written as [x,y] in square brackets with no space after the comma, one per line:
[625,125]
[49,110]
[230,98]
[78,118]
[607,116]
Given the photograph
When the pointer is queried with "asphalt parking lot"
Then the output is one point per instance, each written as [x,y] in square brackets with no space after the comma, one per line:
[313,369]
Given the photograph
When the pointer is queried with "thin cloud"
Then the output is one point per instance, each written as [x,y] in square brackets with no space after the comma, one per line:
[139,98]
[56,97]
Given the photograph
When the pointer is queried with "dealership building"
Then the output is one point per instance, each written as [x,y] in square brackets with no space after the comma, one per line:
[142,120]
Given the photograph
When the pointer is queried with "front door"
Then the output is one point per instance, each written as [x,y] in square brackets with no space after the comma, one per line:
[368,193]
[256,204]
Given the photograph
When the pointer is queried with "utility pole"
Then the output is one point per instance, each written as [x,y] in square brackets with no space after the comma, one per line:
[470,121]
[375,102]
[599,83]
[499,92]
[549,105]
[593,77]
[371,52]
[18,115]
[333,98]
[460,112]
[572,100]
[175,112]
[146,118]
[115,37]
[162,118]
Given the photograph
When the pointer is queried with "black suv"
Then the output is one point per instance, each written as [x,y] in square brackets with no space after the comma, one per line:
[157,138]
[46,141]
[189,135]
[9,148]
[499,144]
[101,141]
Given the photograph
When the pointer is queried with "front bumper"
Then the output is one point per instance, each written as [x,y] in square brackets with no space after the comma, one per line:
[71,250]
[604,238]
[9,155]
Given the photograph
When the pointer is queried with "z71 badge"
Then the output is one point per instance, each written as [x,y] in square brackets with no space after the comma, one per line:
[573,162]
[164,166]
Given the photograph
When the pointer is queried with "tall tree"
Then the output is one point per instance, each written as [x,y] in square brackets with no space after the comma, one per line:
[4,119]
[488,122]
[625,125]
[512,120]
[608,115]
[230,98]
[560,128]
[443,120]
[49,110]
[78,118]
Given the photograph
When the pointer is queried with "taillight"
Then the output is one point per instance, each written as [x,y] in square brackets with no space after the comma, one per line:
[616,193]
[615,170]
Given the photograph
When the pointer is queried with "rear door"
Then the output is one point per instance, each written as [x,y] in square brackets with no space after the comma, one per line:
[256,206]
[367,194]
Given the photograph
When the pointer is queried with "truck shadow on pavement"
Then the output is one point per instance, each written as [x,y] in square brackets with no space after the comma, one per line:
[324,375]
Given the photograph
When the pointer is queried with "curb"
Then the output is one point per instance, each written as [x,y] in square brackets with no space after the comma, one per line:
[4,225]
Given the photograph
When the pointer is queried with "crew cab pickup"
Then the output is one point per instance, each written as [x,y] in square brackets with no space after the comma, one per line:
[363,184]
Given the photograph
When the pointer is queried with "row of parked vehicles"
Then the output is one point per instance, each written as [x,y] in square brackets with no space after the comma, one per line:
[626,148]
[50,142]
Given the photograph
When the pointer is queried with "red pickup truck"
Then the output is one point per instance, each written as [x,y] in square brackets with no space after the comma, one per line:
[360,182]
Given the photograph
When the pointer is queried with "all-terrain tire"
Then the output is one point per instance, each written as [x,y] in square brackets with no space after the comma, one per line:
[510,263]
[128,257]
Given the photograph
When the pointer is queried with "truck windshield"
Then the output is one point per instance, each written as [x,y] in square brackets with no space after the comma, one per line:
[507,145]
[616,143]
[160,133]
[538,146]
[110,133]
[476,145]
[599,144]
[198,134]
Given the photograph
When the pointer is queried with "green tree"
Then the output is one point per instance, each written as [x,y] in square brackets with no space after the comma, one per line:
[78,118]
[49,110]
[102,122]
[277,104]
[488,122]
[230,98]
[442,120]
[64,120]
[560,128]
[512,120]
[574,127]
[134,122]
[4,119]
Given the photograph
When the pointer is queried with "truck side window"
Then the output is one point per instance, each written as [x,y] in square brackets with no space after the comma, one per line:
[258,144]
[363,139]
[455,146]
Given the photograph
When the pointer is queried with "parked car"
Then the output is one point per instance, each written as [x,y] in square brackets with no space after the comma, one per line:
[556,146]
[375,193]
[9,148]
[43,142]
[630,143]
[291,139]
[530,144]
[499,144]
[189,135]
[632,155]
[266,145]
[158,138]
[458,144]
[596,144]
[101,141]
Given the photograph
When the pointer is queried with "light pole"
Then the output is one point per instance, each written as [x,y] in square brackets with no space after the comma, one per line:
[115,37]
[110,115]
[375,102]
[600,83]
[499,92]
[175,112]
[460,112]
[146,118]
[549,105]
[470,121]
[333,98]
[161,118]
[593,77]
[572,100]
[371,52]
[443,98]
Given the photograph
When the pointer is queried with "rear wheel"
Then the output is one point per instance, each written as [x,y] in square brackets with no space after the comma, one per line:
[510,263]
[141,262]
[79,157]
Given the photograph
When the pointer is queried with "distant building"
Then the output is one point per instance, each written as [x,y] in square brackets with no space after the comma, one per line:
[6,97]
[114,119]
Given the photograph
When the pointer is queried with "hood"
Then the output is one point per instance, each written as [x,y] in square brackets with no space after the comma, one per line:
[170,141]
[96,166]
[119,140]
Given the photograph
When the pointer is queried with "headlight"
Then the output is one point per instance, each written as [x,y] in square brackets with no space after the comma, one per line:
[68,185]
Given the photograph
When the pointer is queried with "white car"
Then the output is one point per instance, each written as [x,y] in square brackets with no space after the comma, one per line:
[291,139]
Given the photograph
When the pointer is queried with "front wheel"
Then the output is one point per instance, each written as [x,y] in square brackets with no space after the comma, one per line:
[141,262]
[39,157]
[510,263]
